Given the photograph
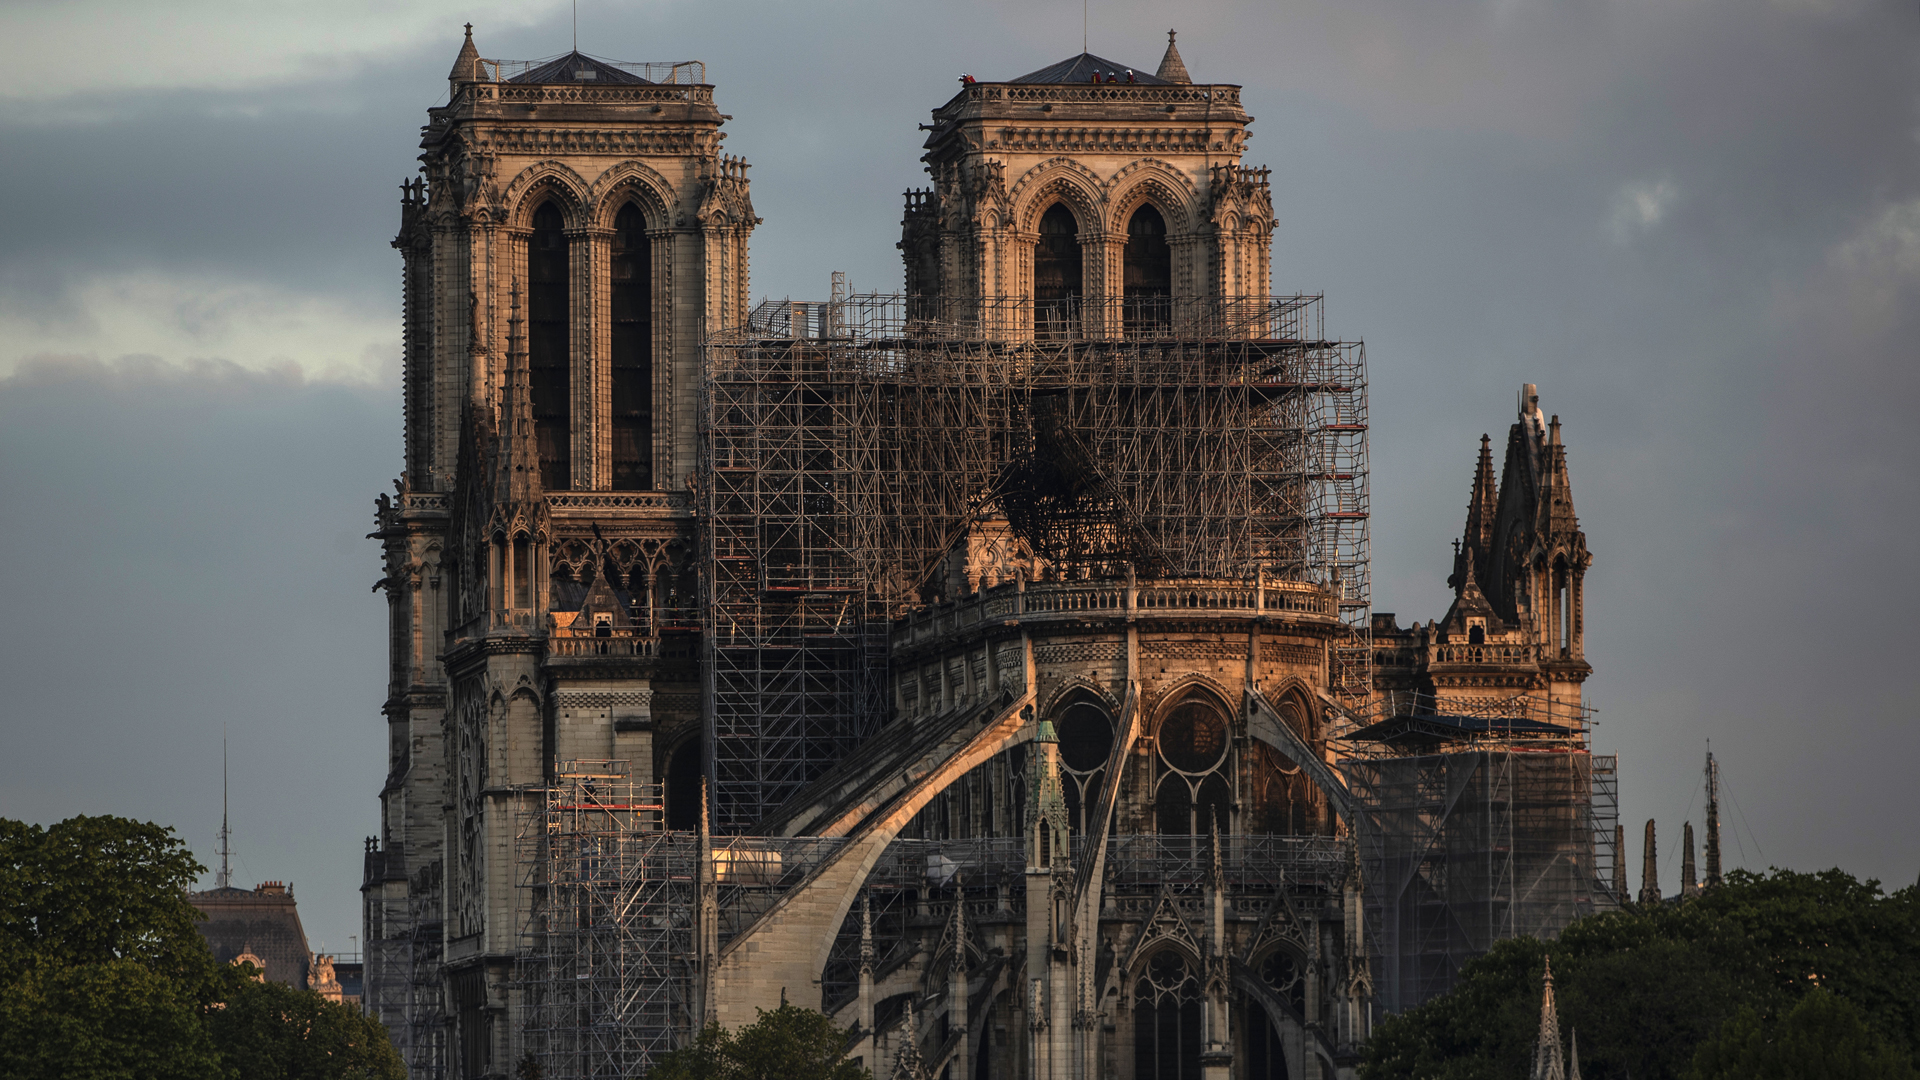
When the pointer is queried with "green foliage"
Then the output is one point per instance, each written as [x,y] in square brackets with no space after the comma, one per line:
[93,889]
[1648,986]
[271,1031]
[1825,1037]
[789,1043]
[103,975]
[113,1020]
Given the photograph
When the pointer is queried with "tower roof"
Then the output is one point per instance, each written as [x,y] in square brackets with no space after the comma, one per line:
[1082,68]
[463,64]
[576,67]
[1172,68]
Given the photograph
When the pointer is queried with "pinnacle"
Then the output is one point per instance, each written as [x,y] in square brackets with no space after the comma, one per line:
[1172,68]
[463,64]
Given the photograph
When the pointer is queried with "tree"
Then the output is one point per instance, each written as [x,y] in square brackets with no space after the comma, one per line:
[115,1020]
[94,889]
[269,1030]
[104,975]
[789,1043]
[1823,1038]
[1648,986]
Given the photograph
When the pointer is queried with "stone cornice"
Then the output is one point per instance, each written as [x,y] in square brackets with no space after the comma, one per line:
[624,141]
[466,655]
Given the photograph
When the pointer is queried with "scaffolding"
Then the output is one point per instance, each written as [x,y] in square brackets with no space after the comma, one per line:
[607,899]
[849,446]
[1503,832]
[404,966]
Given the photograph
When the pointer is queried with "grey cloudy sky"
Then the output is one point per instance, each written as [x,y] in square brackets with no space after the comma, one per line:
[1695,223]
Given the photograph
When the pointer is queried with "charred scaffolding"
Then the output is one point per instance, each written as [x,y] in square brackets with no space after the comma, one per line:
[849,446]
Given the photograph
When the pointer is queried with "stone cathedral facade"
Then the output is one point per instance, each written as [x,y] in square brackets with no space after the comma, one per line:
[1138,852]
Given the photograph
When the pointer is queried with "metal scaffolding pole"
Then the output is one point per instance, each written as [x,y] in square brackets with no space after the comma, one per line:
[849,447]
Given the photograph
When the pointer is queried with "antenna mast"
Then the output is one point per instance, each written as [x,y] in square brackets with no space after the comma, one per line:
[225,877]
[1713,818]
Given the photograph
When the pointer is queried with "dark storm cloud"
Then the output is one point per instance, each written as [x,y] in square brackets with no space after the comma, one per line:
[1695,225]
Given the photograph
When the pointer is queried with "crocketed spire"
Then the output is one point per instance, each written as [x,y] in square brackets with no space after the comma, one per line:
[1549,1063]
[1172,68]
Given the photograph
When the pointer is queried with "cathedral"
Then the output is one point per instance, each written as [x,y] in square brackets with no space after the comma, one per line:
[990,667]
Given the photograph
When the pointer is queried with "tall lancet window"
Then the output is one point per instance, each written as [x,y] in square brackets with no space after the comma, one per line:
[1166,1020]
[1147,270]
[1057,285]
[632,351]
[548,355]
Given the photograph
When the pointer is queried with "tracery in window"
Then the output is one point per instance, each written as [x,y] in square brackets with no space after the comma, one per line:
[1193,795]
[1166,1020]
[1086,739]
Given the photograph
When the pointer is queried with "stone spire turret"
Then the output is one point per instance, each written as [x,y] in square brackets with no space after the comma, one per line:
[1483,506]
[908,1064]
[1689,877]
[1650,870]
[1047,844]
[1557,519]
[1548,1061]
[466,65]
[1172,68]
[519,477]
[1622,891]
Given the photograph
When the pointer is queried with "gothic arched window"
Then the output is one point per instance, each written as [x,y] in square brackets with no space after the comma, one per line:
[632,351]
[1086,739]
[1166,1020]
[1057,279]
[549,352]
[1283,801]
[1147,270]
[1193,795]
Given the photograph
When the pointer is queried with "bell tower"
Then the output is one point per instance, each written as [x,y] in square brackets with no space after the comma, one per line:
[1090,184]
[574,234]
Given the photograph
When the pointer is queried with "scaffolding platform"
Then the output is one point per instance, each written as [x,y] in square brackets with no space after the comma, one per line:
[849,446]
[1476,828]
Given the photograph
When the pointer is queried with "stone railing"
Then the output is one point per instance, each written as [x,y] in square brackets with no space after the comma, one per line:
[1106,93]
[618,500]
[619,643]
[611,93]
[1047,601]
[1488,654]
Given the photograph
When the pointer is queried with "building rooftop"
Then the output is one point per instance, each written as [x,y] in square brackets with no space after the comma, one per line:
[262,921]
[1082,68]
[576,67]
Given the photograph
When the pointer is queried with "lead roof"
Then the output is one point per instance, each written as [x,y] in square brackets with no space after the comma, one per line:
[1080,69]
